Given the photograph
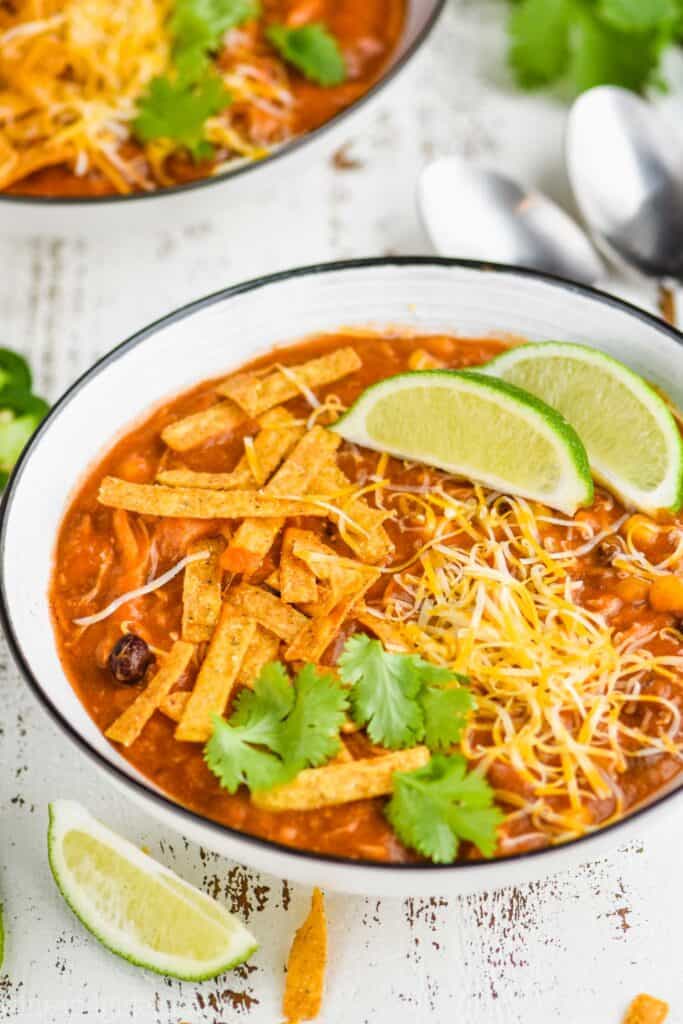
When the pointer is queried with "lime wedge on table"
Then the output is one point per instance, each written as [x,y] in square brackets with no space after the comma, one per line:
[135,906]
[476,427]
[632,440]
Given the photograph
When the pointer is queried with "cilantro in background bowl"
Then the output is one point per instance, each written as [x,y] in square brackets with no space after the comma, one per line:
[584,43]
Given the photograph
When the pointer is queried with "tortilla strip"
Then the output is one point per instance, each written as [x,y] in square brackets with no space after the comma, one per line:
[318,633]
[646,1009]
[344,755]
[372,546]
[202,592]
[256,394]
[264,647]
[269,611]
[202,426]
[297,582]
[293,477]
[273,580]
[174,705]
[195,503]
[343,575]
[271,445]
[128,726]
[335,784]
[217,676]
[385,631]
[306,965]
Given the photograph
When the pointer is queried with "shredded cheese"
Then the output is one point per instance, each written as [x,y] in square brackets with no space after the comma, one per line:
[555,686]
[73,71]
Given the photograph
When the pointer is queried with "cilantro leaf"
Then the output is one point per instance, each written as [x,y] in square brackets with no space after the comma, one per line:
[234,757]
[201,23]
[445,715]
[539,41]
[312,49]
[638,16]
[310,734]
[277,729]
[435,807]
[402,699]
[384,694]
[177,109]
[604,56]
[591,42]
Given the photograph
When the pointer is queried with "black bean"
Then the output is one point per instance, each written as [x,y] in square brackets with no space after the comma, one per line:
[129,660]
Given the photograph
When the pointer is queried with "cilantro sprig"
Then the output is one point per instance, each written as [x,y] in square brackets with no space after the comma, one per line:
[177,105]
[312,50]
[277,729]
[177,109]
[592,42]
[281,727]
[435,807]
[401,699]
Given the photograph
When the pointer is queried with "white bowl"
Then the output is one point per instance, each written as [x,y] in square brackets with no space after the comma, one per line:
[184,204]
[215,335]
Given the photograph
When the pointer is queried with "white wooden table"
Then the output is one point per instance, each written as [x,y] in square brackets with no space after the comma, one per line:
[572,950]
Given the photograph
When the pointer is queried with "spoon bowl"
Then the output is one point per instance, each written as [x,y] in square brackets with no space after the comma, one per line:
[625,165]
[477,213]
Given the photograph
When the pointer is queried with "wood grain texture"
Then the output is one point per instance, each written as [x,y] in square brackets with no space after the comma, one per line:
[573,950]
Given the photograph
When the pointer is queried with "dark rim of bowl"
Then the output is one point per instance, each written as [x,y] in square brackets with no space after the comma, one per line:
[245,168]
[165,802]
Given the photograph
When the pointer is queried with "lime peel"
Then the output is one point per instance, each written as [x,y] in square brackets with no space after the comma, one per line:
[633,442]
[477,427]
[138,908]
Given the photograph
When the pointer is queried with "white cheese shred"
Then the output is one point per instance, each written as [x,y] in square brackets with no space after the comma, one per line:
[148,588]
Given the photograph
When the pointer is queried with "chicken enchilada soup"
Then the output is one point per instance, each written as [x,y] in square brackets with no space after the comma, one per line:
[119,96]
[328,641]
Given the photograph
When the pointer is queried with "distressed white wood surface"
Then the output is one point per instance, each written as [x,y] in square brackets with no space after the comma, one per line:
[571,950]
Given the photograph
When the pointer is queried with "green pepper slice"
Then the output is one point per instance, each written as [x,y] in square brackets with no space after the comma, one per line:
[20,414]
[14,371]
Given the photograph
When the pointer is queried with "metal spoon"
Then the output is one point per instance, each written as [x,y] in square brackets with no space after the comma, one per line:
[474,212]
[625,165]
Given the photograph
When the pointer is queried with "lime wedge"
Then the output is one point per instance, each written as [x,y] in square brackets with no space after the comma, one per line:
[476,427]
[632,440]
[136,907]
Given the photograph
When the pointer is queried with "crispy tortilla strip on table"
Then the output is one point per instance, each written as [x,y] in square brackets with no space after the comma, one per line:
[174,705]
[272,443]
[264,647]
[318,633]
[373,544]
[312,452]
[256,394]
[297,581]
[269,611]
[306,965]
[646,1009]
[334,784]
[195,503]
[202,591]
[202,426]
[217,676]
[128,726]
